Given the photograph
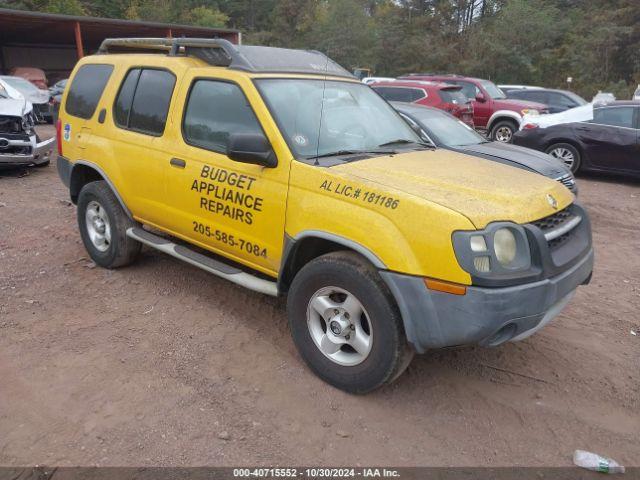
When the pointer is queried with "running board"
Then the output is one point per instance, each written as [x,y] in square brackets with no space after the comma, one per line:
[204,262]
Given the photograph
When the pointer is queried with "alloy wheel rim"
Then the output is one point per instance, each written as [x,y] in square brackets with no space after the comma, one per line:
[565,155]
[503,134]
[339,326]
[98,226]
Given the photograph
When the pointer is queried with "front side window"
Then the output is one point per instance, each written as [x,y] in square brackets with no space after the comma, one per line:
[452,95]
[143,102]
[215,110]
[614,117]
[319,117]
[86,90]
[469,90]
[493,91]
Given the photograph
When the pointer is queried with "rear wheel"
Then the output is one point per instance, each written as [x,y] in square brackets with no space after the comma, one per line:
[567,153]
[345,323]
[103,225]
[503,131]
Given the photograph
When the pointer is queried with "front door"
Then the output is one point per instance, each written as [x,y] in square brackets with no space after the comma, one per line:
[232,208]
[610,137]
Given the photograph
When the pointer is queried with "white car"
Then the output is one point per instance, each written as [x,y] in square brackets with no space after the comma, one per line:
[583,113]
[19,143]
[38,98]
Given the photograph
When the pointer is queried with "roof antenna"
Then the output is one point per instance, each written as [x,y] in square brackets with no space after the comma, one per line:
[324,87]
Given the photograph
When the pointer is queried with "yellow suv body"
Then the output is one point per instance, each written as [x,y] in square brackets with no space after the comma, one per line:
[277,170]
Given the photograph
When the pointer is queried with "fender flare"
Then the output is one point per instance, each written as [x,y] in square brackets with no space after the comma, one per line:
[106,179]
[504,113]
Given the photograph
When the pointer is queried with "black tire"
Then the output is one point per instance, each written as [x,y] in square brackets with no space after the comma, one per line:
[496,130]
[389,355]
[577,162]
[121,250]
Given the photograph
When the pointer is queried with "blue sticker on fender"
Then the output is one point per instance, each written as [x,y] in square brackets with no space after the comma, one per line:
[67,132]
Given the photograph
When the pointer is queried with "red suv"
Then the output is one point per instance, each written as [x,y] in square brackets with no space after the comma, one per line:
[493,113]
[444,96]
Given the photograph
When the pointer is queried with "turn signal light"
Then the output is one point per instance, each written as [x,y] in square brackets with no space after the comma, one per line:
[529,126]
[446,287]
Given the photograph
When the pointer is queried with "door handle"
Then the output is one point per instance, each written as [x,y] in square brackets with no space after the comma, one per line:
[178,162]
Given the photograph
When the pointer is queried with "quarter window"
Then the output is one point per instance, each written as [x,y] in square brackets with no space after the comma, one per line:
[400,94]
[615,117]
[86,90]
[143,101]
[215,110]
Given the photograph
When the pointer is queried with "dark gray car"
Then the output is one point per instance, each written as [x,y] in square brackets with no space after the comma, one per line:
[446,131]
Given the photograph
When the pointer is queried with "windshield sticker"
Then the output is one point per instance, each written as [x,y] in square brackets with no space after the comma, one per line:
[227,194]
[356,193]
[67,132]
[300,140]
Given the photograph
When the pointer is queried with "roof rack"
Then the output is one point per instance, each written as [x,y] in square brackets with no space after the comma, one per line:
[222,53]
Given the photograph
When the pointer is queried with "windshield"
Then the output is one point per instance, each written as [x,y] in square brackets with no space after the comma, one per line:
[20,84]
[444,129]
[320,117]
[493,91]
[576,98]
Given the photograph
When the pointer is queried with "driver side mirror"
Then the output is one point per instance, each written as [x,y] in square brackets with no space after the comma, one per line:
[480,98]
[251,148]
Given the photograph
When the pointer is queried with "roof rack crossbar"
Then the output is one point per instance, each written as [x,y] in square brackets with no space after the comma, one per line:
[226,54]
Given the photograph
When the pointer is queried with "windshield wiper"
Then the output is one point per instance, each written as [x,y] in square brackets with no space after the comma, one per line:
[404,141]
[352,152]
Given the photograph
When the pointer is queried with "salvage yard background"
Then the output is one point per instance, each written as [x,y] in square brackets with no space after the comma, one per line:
[162,364]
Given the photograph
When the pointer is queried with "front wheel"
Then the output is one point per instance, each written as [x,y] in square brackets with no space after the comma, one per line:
[103,227]
[345,323]
[503,131]
[567,153]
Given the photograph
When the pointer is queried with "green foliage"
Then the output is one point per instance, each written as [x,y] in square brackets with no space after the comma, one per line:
[542,42]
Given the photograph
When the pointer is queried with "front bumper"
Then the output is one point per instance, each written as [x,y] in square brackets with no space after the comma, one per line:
[31,153]
[483,316]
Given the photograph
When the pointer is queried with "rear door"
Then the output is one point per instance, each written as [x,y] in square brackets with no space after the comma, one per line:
[610,140]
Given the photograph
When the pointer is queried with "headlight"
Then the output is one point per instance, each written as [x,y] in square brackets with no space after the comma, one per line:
[529,111]
[504,245]
[499,251]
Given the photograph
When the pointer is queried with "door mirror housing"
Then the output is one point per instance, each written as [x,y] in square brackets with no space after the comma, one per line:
[251,148]
[480,98]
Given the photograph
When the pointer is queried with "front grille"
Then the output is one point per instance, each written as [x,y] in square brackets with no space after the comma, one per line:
[559,227]
[568,181]
[553,221]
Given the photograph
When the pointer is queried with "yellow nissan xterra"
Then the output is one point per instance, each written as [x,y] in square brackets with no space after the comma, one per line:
[277,170]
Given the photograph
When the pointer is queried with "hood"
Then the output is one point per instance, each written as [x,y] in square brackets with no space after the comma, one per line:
[583,113]
[517,105]
[520,157]
[15,107]
[482,191]
[41,96]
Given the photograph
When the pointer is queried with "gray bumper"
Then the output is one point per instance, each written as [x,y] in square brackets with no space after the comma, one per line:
[40,153]
[484,316]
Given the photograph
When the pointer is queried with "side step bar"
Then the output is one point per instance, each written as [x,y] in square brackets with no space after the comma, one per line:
[204,262]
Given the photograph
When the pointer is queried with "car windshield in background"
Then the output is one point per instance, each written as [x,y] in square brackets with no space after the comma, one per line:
[320,117]
[21,84]
[445,130]
[453,95]
[493,91]
[576,98]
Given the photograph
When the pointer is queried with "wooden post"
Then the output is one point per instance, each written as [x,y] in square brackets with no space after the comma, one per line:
[79,46]
[169,33]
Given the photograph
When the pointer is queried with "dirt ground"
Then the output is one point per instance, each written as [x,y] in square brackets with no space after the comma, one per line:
[163,364]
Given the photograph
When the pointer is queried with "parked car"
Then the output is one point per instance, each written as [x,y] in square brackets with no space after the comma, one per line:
[607,143]
[310,185]
[31,74]
[556,100]
[370,80]
[439,95]
[446,131]
[20,146]
[601,98]
[58,87]
[40,99]
[493,113]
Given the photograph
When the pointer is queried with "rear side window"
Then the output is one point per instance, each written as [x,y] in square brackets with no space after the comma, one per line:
[143,101]
[215,110]
[400,94]
[615,117]
[86,90]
